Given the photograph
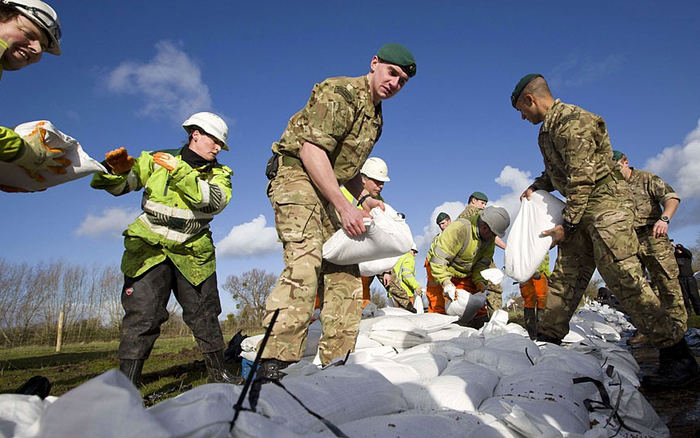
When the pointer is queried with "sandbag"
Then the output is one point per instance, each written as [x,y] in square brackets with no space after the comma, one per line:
[379,266]
[387,235]
[466,305]
[12,175]
[526,246]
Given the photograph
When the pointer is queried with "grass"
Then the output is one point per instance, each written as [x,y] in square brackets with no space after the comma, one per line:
[175,365]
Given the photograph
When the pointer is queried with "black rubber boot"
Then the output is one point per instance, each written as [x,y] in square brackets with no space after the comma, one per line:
[37,385]
[545,338]
[271,369]
[678,369]
[132,369]
[216,368]
[531,322]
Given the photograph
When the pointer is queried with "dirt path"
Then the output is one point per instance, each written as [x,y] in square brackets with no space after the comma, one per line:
[679,409]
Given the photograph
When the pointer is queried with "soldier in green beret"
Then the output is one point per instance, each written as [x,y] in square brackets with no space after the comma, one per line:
[598,230]
[324,147]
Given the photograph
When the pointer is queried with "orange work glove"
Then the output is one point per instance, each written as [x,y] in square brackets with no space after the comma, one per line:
[120,161]
[480,287]
[36,155]
[166,160]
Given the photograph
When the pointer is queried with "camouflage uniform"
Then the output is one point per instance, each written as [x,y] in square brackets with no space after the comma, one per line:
[340,118]
[578,157]
[649,193]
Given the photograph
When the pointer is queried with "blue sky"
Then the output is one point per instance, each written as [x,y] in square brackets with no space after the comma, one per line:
[131,72]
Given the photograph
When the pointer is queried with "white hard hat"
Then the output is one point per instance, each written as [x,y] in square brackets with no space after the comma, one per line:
[210,123]
[375,168]
[414,247]
[43,16]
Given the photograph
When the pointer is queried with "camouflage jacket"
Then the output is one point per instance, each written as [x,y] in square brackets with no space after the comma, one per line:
[469,211]
[177,209]
[341,118]
[650,193]
[576,150]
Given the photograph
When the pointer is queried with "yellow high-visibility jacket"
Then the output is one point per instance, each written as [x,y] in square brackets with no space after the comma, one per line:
[405,273]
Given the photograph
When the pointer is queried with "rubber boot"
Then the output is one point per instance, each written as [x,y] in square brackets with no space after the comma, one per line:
[531,322]
[132,369]
[271,369]
[37,385]
[678,369]
[216,368]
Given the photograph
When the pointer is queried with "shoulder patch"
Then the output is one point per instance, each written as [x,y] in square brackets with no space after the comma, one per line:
[347,95]
[569,117]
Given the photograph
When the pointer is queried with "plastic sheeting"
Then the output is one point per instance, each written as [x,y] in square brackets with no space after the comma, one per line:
[81,164]
[526,246]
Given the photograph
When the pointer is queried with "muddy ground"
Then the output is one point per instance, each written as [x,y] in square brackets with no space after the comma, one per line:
[679,409]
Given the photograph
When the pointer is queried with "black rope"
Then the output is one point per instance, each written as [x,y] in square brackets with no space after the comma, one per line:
[593,405]
[238,407]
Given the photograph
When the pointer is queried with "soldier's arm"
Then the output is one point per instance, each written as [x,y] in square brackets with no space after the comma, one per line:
[577,141]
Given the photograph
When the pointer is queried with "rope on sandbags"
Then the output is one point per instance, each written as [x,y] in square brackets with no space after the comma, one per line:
[605,403]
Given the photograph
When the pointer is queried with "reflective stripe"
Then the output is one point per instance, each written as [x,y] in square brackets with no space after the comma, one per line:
[180,213]
[168,233]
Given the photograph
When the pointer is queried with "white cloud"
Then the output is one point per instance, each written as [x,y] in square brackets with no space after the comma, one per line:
[251,238]
[111,223]
[577,70]
[453,208]
[680,165]
[170,84]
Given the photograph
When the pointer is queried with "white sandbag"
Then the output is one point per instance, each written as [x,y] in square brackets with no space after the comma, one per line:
[566,417]
[387,235]
[466,305]
[249,346]
[19,414]
[514,342]
[369,310]
[462,387]
[397,339]
[502,362]
[422,424]
[634,410]
[418,302]
[428,365]
[526,246]
[81,164]
[377,267]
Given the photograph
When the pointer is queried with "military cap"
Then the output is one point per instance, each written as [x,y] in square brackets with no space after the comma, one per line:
[441,217]
[617,155]
[521,86]
[395,53]
[480,196]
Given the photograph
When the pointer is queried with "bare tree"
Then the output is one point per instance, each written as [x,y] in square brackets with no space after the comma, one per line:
[250,291]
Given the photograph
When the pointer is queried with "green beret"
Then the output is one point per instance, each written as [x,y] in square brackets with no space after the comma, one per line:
[480,196]
[395,53]
[521,86]
[441,217]
[617,155]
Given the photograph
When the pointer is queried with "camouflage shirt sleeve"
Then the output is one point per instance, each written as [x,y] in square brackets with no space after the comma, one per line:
[542,182]
[330,115]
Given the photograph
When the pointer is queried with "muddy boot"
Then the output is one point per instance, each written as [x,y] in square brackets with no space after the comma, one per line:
[544,338]
[271,369]
[531,322]
[216,369]
[132,369]
[678,369]
[638,339]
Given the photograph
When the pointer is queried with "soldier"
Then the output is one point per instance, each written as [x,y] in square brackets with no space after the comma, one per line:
[323,147]
[463,251]
[598,229]
[650,194]
[688,282]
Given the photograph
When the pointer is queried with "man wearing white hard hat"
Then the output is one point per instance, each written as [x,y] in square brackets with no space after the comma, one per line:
[28,28]
[169,246]
[374,174]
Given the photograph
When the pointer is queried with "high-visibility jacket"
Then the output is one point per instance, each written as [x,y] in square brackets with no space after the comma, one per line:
[352,199]
[459,252]
[405,273]
[544,266]
[177,208]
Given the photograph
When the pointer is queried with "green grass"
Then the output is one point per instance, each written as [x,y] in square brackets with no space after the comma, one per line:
[175,365]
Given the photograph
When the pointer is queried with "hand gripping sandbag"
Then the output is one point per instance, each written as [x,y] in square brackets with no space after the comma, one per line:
[387,235]
[526,246]
[13,176]
[379,266]
[466,305]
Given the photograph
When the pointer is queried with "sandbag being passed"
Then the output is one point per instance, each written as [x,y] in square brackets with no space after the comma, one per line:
[387,235]
[12,175]
[526,246]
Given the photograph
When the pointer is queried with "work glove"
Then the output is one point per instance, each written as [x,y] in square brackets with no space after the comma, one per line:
[166,160]
[449,290]
[537,275]
[36,155]
[481,287]
[120,161]
[10,189]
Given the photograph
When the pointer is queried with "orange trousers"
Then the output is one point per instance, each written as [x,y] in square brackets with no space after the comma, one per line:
[436,297]
[534,292]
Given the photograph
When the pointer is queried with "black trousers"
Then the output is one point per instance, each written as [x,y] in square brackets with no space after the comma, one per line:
[145,299]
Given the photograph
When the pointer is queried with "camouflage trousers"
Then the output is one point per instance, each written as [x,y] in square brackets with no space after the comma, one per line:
[605,239]
[398,293]
[657,256]
[304,221]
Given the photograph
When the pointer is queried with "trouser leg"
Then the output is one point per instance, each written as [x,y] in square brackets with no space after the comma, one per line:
[531,322]
[200,311]
[145,301]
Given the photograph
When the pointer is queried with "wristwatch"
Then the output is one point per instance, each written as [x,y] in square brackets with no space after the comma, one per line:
[569,227]
[665,218]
